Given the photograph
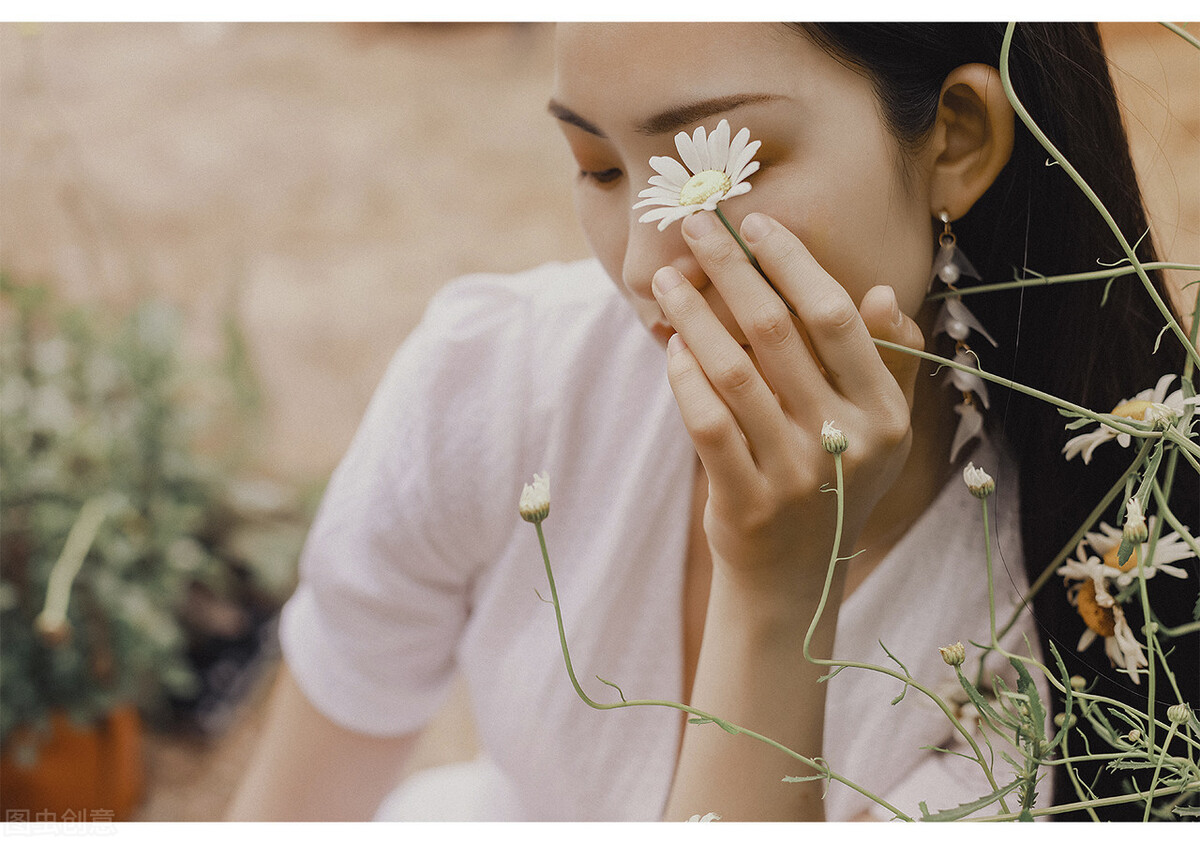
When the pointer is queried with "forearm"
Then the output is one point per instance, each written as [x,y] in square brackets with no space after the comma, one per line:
[752,672]
[308,768]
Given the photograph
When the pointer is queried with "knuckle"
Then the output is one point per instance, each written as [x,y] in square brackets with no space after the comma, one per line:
[834,314]
[709,430]
[771,324]
[734,376]
[721,251]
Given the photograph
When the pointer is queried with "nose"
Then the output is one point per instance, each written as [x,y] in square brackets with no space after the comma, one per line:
[647,250]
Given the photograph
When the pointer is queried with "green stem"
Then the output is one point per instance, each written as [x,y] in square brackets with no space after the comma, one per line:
[904,678]
[1157,768]
[1069,169]
[1183,33]
[1071,544]
[753,261]
[1046,280]
[820,767]
[987,542]
[1117,423]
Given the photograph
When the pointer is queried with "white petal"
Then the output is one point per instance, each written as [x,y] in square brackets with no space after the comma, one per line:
[736,149]
[688,153]
[1160,389]
[738,190]
[670,169]
[746,171]
[718,147]
[660,181]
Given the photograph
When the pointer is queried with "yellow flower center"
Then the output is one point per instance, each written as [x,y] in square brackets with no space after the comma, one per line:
[1110,559]
[1135,409]
[1100,620]
[703,185]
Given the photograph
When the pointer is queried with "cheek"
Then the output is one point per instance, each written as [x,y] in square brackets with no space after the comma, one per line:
[605,227]
[864,235]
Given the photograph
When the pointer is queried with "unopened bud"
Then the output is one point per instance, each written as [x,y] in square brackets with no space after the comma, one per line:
[1078,683]
[535,499]
[1062,718]
[954,654]
[833,440]
[979,482]
[1135,531]
[1179,713]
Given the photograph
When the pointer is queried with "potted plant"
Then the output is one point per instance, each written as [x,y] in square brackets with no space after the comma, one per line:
[112,524]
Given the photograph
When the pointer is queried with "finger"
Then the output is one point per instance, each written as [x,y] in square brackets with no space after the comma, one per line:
[885,321]
[831,321]
[758,309]
[709,422]
[724,362]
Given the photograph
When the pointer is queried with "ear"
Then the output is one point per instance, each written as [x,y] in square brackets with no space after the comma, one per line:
[972,140]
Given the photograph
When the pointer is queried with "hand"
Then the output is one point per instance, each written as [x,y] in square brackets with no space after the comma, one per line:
[755,419]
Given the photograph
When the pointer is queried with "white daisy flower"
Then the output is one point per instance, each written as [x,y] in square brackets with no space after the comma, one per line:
[1170,548]
[714,169]
[979,482]
[1154,406]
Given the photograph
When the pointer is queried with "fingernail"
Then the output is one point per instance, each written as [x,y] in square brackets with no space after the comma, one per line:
[756,226]
[665,279]
[675,344]
[700,225]
[896,315]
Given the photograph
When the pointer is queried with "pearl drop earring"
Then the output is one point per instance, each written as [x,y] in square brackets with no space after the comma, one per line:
[950,266]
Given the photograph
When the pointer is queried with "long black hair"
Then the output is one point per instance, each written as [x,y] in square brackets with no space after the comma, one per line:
[1067,339]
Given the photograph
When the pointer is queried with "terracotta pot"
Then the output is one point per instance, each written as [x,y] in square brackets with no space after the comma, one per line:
[81,773]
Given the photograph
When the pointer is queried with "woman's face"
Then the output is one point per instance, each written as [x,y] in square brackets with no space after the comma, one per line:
[831,172]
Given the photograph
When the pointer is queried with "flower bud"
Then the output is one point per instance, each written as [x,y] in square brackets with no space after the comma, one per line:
[1135,531]
[1062,718]
[535,499]
[979,482]
[833,439]
[954,654]
[1133,736]
[1179,713]
[1078,683]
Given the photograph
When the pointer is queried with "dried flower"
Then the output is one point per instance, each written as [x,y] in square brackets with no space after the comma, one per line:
[716,169]
[535,499]
[954,654]
[832,439]
[979,482]
[1152,405]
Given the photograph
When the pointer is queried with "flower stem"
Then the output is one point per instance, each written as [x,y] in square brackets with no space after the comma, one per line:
[821,767]
[1045,280]
[70,560]
[753,261]
[1069,169]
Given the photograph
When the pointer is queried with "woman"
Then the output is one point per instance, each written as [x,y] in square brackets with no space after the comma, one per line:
[692,557]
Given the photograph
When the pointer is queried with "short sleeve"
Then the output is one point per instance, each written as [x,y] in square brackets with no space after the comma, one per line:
[421,501]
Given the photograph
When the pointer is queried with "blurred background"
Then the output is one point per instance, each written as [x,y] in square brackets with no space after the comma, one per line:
[212,239]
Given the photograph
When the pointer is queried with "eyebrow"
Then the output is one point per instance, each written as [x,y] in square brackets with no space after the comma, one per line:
[671,119]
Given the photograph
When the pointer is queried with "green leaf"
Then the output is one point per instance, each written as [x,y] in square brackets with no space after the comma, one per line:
[1026,686]
[962,810]
[981,703]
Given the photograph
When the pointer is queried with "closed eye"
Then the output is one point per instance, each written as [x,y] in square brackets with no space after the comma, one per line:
[603,177]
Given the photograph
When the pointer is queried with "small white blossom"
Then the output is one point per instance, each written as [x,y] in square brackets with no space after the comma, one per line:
[979,482]
[716,169]
[1170,548]
[1153,405]
[832,439]
[535,499]
[711,816]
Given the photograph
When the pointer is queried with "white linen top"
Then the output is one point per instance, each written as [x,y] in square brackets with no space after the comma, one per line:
[418,565]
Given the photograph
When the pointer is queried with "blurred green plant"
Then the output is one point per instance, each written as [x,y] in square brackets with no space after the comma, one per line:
[112,522]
